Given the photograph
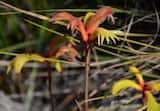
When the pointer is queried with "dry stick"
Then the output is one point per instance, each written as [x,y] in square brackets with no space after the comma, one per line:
[86,76]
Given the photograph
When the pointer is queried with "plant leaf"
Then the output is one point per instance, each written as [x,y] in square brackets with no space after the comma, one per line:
[121,33]
[104,34]
[18,62]
[122,84]
[152,104]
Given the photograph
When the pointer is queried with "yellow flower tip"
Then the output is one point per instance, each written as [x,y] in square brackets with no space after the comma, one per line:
[123,84]
[20,60]
[138,75]
[133,69]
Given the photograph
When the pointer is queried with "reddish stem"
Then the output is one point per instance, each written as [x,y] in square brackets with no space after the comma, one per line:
[86,76]
[50,87]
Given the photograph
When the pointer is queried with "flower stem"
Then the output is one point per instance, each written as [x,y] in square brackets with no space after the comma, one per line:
[52,103]
[86,76]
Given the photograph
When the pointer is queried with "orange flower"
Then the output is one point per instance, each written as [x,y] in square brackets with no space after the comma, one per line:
[75,24]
